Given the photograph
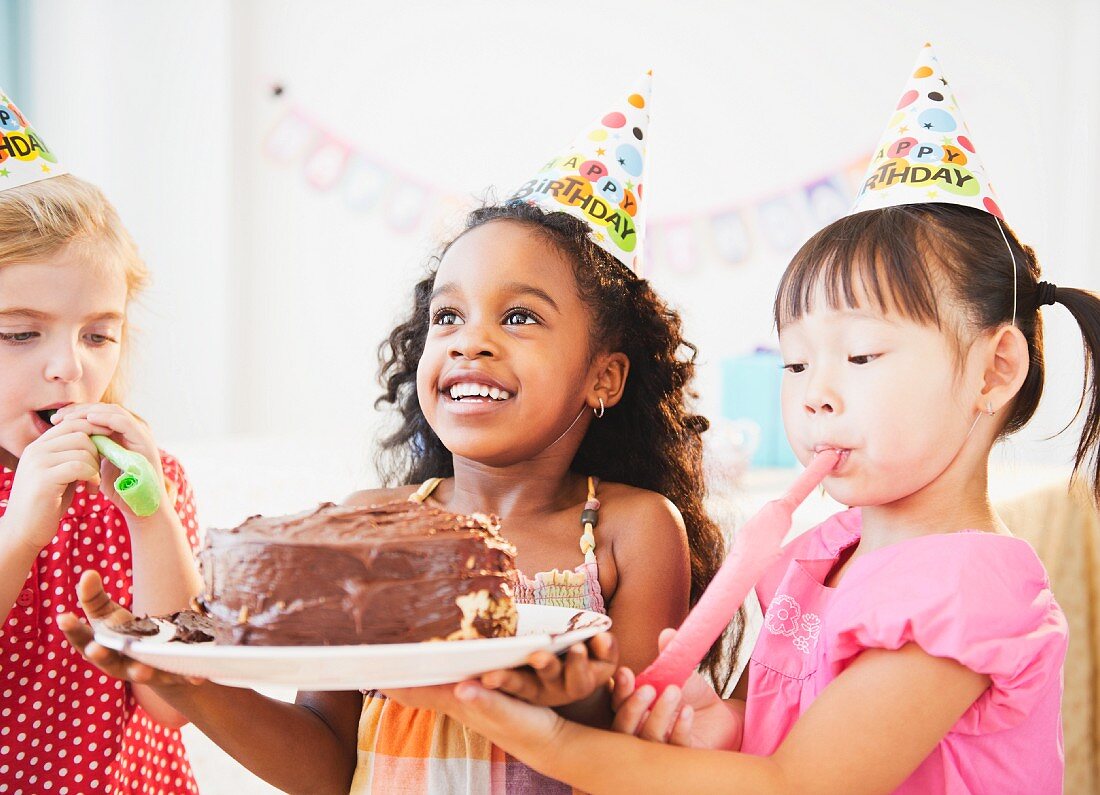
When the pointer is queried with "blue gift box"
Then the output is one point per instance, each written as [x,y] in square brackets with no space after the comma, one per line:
[750,391]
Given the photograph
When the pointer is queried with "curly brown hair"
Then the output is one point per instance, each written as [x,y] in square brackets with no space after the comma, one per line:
[651,441]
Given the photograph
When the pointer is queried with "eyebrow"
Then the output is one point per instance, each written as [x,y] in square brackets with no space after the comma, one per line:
[34,314]
[512,288]
[520,288]
[442,289]
[31,314]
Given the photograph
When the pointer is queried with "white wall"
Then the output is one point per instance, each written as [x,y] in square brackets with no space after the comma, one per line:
[270,297]
[135,97]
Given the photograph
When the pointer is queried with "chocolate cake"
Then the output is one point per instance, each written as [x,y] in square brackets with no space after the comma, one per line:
[394,573]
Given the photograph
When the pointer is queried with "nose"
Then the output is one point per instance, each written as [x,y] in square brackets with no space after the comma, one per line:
[473,341]
[821,397]
[64,365]
[819,403]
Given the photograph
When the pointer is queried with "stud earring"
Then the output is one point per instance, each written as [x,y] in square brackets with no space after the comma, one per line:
[599,413]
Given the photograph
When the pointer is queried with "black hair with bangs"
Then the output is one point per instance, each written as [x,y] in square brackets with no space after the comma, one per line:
[909,259]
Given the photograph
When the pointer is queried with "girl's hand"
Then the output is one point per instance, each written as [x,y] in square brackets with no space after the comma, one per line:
[544,680]
[46,477]
[508,722]
[549,682]
[128,431]
[438,698]
[693,716]
[100,609]
[518,727]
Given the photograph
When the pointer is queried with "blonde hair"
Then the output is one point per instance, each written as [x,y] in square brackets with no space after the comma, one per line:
[38,219]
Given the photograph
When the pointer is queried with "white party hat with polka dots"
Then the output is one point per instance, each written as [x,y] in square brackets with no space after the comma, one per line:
[926,154]
[599,178]
[24,156]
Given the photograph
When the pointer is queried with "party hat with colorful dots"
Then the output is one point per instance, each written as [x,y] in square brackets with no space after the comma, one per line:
[599,178]
[926,154]
[24,156]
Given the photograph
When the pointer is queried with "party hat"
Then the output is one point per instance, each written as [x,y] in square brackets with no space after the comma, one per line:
[24,156]
[599,178]
[926,154]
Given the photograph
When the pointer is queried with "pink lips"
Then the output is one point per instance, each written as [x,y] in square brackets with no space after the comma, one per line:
[843,451]
[40,424]
[473,404]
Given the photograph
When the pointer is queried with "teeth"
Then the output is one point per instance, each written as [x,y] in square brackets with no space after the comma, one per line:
[464,390]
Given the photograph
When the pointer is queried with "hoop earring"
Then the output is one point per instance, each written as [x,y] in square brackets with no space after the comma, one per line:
[599,414]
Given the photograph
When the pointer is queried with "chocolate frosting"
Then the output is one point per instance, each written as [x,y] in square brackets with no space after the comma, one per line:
[393,573]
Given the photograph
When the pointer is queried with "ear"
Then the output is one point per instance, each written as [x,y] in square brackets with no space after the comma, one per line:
[609,379]
[1005,363]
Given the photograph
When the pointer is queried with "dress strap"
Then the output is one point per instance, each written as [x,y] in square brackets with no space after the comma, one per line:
[425,490]
[590,517]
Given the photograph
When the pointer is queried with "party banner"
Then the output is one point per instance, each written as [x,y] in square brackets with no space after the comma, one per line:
[771,226]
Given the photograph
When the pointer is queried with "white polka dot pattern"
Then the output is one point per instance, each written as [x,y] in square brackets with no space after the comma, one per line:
[64,726]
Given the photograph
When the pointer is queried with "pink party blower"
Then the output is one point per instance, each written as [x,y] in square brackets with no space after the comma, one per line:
[756,547]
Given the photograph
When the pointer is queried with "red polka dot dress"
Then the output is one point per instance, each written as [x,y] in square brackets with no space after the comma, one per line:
[65,727]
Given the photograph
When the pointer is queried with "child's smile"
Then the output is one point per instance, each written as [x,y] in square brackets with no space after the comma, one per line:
[507,354]
[473,392]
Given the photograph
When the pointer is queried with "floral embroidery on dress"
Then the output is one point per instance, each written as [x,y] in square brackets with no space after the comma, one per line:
[785,617]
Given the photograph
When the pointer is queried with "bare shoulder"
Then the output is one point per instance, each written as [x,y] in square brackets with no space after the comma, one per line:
[632,518]
[377,496]
[650,560]
[631,502]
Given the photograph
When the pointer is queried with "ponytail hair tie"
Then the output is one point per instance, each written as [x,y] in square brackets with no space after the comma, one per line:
[1045,294]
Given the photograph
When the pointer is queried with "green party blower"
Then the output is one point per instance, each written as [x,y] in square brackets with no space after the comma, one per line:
[137,485]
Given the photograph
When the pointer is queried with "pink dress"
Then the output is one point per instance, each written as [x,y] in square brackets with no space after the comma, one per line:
[65,727]
[978,598]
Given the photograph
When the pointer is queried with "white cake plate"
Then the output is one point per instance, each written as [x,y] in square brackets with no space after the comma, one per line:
[366,667]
